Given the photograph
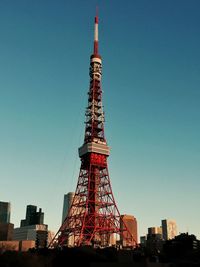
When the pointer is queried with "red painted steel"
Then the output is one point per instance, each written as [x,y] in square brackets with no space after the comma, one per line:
[93,217]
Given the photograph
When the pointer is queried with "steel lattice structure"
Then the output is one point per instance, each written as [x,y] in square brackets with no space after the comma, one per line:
[93,217]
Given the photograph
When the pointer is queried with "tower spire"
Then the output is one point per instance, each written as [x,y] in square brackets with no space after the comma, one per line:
[96,21]
[93,218]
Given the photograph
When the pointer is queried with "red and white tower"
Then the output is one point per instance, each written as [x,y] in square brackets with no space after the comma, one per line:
[93,218]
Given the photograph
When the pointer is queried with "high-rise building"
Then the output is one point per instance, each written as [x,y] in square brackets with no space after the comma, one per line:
[68,198]
[169,229]
[6,228]
[154,230]
[6,231]
[154,240]
[33,216]
[33,227]
[143,240]
[131,223]
[4,212]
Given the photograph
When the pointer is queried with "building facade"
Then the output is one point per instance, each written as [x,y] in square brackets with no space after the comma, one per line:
[154,230]
[131,223]
[15,245]
[5,208]
[33,227]
[169,229]
[6,228]
[6,231]
[37,233]
[33,216]
[68,198]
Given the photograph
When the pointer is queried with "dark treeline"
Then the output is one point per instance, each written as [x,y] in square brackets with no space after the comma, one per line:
[182,251]
[56,258]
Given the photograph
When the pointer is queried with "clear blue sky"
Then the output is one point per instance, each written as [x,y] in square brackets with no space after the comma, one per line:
[151,84]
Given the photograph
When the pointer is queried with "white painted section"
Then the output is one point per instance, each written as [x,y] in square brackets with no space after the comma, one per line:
[96,32]
[95,59]
[94,147]
[96,140]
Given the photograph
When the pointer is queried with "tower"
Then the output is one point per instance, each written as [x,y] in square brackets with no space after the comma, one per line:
[93,217]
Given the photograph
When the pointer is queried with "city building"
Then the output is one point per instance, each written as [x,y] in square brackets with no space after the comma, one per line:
[169,229]
[33,216]
[33,227]
[155,230]
[9,245]
[131,224]
[154,242]
[15,245]
[37,233]
[5,208]
[50,237]
[113,240]
[68,198]
[143,240]
[6,231]
[183,243]
[6,228]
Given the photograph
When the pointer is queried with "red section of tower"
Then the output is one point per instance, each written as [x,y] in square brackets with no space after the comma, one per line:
[93,218]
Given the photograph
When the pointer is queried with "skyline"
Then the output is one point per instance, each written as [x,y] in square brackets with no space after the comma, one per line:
[150,82]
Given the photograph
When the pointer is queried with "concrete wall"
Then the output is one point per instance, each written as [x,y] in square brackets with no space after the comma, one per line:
[16,245]
[9,245]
